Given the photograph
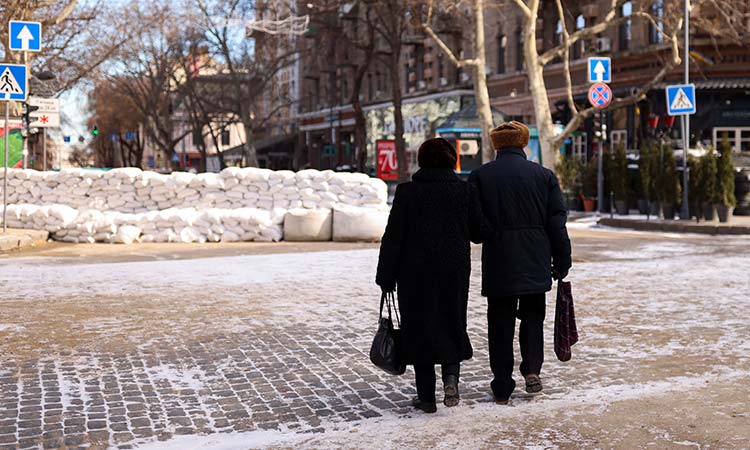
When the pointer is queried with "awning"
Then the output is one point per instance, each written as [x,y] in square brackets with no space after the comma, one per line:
[467,121]
[712,84]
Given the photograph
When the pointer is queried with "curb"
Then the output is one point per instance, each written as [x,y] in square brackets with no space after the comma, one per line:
[676,227]
[21,239]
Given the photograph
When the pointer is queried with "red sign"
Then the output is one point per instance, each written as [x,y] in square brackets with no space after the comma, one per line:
[600,95]
[387,161]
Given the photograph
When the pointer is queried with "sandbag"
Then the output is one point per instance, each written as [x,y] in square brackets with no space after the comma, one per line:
[308,225]
[358,224]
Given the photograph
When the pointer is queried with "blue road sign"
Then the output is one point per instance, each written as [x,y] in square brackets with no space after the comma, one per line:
[600,95]
[25,36]
[13,84]
[66,138]
[600,69]
[130,136]
[681,99]
[114,137]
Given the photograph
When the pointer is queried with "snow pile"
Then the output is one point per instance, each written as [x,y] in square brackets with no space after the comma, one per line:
[128,205]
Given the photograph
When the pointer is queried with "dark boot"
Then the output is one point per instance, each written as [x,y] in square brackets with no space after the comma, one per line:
[450,386]
[429,408]
[533,384]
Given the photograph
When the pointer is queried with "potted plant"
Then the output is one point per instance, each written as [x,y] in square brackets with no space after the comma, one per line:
[648,168]
[725,199]
[669,184]
[709,170]
[568,172]
[620,179]
[696,186]
[590,175]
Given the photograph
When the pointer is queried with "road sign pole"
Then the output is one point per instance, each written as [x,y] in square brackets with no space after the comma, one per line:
[600,169]
[5,169]
[685,210]
[25,152]
[44,149]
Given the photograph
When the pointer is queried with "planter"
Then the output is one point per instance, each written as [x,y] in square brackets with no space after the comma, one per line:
[708,211]
[621,207]
[589,204]
[742,192]
[668,209]
[578,204]
[654,208]
[724,213]
[643,207]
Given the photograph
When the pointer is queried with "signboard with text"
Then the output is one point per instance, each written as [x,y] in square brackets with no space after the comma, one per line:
[387,161]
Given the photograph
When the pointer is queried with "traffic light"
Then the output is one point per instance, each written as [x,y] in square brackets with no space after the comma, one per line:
[95,131]
[27,110]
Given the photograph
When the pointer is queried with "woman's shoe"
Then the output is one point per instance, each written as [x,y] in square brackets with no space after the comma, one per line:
[533,384]
[429,408]
[450,387]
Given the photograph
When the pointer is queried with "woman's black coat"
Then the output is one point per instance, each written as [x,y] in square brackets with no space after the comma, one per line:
[426,253]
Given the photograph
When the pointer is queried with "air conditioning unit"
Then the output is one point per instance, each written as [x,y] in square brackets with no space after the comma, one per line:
[465,77]
[378,93]
[412,89]
[603,44]
[421,84]
[469,147]
[443,81]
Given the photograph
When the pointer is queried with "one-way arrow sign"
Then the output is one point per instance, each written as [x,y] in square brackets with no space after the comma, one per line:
[25,36]
[600,70]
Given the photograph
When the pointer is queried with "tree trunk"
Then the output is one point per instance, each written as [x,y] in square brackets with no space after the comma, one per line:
[360,130]
[250,153]
[481,92]
[539,96]
[398,118]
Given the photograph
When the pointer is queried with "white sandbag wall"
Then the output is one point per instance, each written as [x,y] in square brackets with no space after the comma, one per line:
[129,205]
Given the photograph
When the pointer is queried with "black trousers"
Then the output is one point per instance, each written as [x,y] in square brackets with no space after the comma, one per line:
[501,317]
[425,378]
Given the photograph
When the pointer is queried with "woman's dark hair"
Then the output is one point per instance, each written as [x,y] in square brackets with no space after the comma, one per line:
[437,153]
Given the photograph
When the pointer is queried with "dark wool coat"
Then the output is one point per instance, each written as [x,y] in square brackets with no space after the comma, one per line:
[523,203]
[426,252]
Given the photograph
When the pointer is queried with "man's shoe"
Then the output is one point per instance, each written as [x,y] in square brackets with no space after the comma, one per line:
[450,387]
[429,408]
[533,384]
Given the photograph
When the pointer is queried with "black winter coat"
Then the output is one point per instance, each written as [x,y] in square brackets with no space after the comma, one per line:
[524,205]
[426,252]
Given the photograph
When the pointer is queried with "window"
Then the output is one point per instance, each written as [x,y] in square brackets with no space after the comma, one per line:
[520,62]
[197,137]
[580,149]
[502,42]
[655,32]
[739,138]
[626,27]
[579,48]
[618,137]
[419,62]
[225,137]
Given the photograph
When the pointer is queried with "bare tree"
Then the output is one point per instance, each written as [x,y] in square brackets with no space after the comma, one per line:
[478,64]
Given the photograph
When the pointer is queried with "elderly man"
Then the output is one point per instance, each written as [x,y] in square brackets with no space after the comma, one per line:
[523,202]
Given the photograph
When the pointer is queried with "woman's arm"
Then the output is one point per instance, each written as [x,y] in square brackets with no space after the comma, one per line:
[392,242]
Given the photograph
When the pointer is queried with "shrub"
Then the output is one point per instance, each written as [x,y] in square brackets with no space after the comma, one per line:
[669,182]
[725,176]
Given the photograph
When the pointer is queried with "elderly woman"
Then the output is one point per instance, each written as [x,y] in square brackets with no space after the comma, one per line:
[426,254]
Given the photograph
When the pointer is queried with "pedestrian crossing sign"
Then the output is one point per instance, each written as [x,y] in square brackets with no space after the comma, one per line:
[681,99]
[13,84]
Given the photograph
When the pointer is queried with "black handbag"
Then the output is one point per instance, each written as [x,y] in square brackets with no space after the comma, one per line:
[384,350]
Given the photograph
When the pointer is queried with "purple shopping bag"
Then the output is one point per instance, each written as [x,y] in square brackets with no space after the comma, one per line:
[566,332]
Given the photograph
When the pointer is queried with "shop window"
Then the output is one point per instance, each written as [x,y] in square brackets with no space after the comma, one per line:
[618,137]
[739,138]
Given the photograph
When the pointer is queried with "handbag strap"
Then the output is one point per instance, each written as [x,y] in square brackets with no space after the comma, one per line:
[392,301]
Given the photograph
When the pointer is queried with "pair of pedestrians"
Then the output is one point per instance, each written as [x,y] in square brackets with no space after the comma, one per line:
[512,206]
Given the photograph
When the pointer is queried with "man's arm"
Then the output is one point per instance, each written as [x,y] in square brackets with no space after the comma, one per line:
[480,229]
[557,232]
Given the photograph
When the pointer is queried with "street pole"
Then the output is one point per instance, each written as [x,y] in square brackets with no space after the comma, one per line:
[5,170]
[600,174]
[25,151]
[44,149]
[685,210]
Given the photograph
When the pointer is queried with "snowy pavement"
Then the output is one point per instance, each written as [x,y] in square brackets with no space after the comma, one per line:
[257,351]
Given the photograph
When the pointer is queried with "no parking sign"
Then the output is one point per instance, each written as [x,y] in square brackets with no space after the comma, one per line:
[600,95]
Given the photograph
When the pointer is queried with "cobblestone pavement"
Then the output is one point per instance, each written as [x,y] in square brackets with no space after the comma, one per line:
[101,354]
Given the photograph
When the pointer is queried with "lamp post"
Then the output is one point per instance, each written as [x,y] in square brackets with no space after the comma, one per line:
[685,210]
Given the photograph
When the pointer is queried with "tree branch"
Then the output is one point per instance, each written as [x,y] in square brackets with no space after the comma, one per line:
[566,58]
